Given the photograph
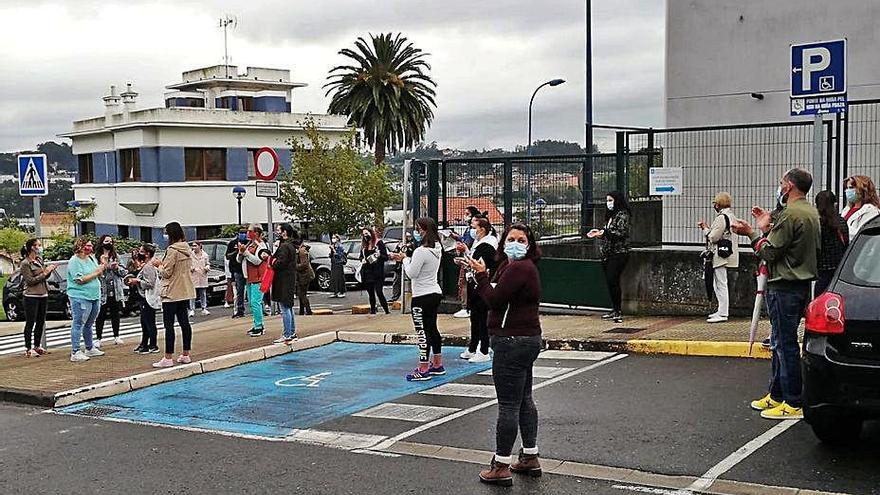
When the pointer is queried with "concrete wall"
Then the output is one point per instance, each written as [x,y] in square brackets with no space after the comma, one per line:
[717,53]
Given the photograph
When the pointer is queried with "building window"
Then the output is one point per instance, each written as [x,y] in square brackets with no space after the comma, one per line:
[130,160]
[251,161]
[246,103]
[147,234]
[87,228]
[205,163]
[208,232]
[122,231]
[86,171]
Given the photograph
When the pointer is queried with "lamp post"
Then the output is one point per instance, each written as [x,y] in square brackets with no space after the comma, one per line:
[552,82]
[239,192]
[540,204]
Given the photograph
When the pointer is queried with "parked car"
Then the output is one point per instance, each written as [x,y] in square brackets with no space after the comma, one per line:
[841,358]
[319,252]
[59,305]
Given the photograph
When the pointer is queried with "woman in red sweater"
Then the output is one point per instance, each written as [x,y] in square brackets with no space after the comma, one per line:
[513,296]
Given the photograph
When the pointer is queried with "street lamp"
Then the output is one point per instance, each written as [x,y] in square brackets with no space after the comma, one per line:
[239,192]
[552,82]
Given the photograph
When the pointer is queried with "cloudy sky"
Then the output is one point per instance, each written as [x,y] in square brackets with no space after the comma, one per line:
[59,58]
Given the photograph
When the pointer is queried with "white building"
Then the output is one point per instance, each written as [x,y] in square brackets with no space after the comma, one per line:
[146,168]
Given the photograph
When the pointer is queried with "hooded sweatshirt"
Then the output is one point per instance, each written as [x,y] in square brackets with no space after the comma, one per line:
[176,282]
[422,269]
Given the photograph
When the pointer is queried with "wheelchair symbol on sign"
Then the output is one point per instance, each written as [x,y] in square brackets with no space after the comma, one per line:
[303,381]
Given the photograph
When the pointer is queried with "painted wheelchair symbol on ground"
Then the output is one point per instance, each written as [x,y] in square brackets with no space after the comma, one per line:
[303,381]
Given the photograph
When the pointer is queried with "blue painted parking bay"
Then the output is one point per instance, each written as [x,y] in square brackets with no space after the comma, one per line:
[272,398]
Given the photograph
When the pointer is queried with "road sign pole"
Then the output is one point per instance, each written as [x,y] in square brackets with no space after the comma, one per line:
[818,151]
[37,217]
[271,227]
[407,219]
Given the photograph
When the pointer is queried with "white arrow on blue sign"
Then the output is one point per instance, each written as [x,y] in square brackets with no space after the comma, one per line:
[33,176]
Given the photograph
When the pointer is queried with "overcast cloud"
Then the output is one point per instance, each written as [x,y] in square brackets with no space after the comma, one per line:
[59,58]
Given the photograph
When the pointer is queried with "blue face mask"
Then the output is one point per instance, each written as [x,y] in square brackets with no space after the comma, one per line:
[515,250]
[473,233]
[851,195]
[417,236]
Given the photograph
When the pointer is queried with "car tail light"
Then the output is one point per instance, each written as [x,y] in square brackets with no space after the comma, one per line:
[825,314]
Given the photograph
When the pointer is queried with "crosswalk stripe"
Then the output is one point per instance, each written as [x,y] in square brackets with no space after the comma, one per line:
[575,355]
[463,390]
[539,371]
[62,340]
[52,334]
[406,412]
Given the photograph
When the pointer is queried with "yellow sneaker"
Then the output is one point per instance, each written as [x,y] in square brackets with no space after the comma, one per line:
[783,411]
[766,403]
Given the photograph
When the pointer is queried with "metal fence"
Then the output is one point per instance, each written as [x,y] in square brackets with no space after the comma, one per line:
[860,146]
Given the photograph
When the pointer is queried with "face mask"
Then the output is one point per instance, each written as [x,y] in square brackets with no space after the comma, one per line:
[87,249]
[515,250]
[142,257]
[39,251]
[717,209]
[473,232]
[851,195]
[610,205]
[165,236]
[252,235]
[367,237]
[108,243]
[417,236]
[781,197]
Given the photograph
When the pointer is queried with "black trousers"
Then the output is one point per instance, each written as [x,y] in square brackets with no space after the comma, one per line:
[512,374]
[424,318]
[613,267]
[111,309]
[374,289]
[149,331]
[479,326]
[180,310]
[302,293]
[35,313]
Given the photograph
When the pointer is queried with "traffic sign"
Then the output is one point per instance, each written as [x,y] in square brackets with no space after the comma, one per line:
[818,69]
[665,181]
[267,189]
[266,164]
[33,179]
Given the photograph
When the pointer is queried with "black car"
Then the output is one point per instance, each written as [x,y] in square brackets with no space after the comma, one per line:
[59,305]
[841,358]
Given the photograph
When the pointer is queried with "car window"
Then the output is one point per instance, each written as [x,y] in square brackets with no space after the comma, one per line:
[61,271]
[862,265]
[319,251]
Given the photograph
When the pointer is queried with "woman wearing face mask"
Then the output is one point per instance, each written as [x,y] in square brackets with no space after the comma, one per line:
[374,254]
[199,274]
[862,203]
[84,293]
[112,290]
[422,269]
[253,258]
[338,259]
[833,240]
[615,249]
[305,273]
[147,282]
[513,295]
[284,282]
[176,289]
[485,248]
[718,231]
[34,273]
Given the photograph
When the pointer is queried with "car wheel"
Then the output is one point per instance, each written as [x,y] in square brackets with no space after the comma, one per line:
[13,312]
[323,278]
[834,428]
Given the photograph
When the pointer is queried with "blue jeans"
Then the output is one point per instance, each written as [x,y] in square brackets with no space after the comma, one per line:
[288,320]
[85,313]
[202,296]
[786,308]
[512,374]
[239,280]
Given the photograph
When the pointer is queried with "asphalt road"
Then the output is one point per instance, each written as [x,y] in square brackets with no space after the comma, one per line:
[666,415]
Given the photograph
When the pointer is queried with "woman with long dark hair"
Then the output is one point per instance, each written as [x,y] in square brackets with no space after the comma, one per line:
[338,259]
[485,248]
[374,254]
[284,282]
[34,273]
[176,289]
[112,289]
[513,296]
[615,249]
[835,238]
[422,268]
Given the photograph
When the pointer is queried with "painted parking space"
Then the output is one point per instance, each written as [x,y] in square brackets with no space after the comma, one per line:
[283,395]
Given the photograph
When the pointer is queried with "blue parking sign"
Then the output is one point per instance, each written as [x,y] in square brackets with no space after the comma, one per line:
[33,178]
[818,69]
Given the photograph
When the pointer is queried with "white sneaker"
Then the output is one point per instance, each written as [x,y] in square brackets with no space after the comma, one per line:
[713,315]
[467,354]
[226,305]
[96,344]
[118,341]
[94,352]
[205,312]
[191,313]
[462,313]
[717,319]
[78,357]
[479,357]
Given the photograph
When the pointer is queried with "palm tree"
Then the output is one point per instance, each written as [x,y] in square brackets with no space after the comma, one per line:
[387,92]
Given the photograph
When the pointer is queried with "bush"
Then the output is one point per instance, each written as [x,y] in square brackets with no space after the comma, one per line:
[60,246]
[12,240]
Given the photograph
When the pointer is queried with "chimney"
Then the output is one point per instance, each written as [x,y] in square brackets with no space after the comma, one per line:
[129,98]
[111,103]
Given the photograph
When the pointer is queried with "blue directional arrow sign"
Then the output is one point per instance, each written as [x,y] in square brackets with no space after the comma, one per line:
[666,189]
[33,178]
[665,181]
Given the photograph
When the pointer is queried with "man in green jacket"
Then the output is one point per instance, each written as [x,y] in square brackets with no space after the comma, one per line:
[789,248]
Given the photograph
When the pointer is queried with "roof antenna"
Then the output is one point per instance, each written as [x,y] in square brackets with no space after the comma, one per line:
[226,21]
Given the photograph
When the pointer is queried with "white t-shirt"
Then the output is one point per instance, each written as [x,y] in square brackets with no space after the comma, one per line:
[422,269]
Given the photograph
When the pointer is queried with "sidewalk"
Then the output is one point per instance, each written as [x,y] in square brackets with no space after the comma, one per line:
[37,380]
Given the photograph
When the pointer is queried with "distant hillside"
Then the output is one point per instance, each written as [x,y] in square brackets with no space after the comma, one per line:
[62,154]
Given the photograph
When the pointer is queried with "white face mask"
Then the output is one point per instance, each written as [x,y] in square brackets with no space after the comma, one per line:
[610,205]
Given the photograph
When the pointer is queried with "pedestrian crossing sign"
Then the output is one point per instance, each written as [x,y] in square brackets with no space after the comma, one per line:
[33,178]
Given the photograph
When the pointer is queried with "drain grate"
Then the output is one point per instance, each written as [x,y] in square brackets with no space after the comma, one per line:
[97,411]
[624,330]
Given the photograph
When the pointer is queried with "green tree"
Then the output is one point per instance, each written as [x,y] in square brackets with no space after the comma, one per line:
[12,240]
[386,91]
[332,186]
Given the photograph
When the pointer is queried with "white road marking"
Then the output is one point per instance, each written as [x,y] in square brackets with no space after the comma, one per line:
[303,381]
[406,412]
[463,390]
[464,412]
[645,489]
[539,371]
[575,355]
[335,439]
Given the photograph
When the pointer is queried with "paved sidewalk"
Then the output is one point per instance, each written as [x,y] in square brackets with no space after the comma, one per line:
[37,380]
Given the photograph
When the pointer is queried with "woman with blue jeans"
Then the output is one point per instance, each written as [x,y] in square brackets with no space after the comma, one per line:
[513,295]
[84,292]
[284,281]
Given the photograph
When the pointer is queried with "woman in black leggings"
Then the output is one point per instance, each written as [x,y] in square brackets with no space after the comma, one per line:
[615,249]
[177,289]
[485,248]
[374,254]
